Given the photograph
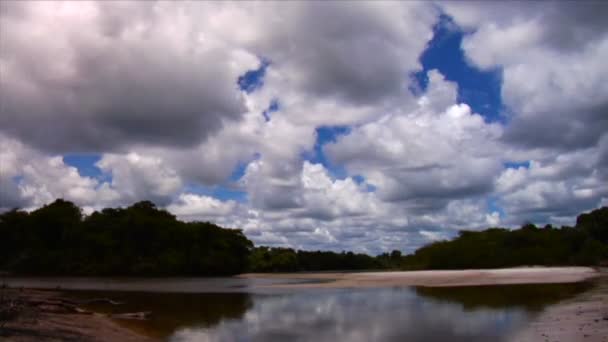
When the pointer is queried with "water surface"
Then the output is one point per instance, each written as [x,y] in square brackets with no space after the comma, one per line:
[233,309]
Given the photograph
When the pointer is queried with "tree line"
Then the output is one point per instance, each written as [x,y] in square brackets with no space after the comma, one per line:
[584,244]
[143,240]
[139,240]
[279,259]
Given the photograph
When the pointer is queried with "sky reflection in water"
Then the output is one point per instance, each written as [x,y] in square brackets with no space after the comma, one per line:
[368,315]
[242,312]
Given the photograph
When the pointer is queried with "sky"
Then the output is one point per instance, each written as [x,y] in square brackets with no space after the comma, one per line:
[364,126]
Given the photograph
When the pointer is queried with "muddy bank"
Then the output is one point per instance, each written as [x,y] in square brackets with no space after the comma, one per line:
[523,275]
[37,315]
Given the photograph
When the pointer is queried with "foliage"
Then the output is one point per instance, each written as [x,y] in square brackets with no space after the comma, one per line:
[585,244]
[266,259]
[138,240]
[144,240]
[595,224]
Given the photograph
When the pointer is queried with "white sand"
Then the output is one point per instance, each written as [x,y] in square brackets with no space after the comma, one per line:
[523,275]
[582,318]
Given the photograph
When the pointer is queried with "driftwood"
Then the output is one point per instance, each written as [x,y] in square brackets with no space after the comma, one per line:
[50,305]
[101,301]
[59,306]
[66,306]
[143,315]
[19,306]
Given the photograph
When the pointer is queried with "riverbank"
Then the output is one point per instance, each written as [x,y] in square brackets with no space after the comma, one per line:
[47,316]
[582,318]
[506,276]
[52,315]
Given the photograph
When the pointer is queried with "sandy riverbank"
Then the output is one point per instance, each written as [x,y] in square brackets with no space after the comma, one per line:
[40,319]
[583,318]
[523,275]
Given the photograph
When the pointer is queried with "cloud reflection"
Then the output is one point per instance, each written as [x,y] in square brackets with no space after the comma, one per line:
[362,315]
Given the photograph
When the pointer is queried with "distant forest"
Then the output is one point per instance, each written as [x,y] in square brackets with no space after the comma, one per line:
[143,240]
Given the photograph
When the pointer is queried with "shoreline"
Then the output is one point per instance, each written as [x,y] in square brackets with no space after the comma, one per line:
[44,317]
[584,317]
[502,276]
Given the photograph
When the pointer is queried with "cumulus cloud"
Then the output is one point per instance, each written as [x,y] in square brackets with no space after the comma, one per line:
[311,192]
[440,150]
[199,207]
[332,56]
[551,56]
[118,74]
[339,214]
[135,177]
[115,74]
[555,189]
[324,74]
[151,87]
[29,179]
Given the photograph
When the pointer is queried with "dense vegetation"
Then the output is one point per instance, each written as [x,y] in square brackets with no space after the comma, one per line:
[265,259]
[145,240]
[138,240]
[584,244]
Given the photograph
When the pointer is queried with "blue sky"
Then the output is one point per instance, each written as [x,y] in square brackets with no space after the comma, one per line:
[324,125]
[478,88]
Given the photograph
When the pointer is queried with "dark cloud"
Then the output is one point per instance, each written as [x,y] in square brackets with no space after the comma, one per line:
[562,131]
[360,55]
[573,24]
[566,25]
[123,79]
[560,208]
[440,183]
[9,195]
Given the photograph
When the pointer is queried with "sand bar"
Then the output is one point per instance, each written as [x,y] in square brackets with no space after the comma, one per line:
[522,275]
[582,318]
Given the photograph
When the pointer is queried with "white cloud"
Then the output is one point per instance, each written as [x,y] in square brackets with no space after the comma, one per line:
[116,74]
[432,236]
[135,177]
[439,150]
[191,205]
[552,61]
[29,179]
[555,189]
[152,88]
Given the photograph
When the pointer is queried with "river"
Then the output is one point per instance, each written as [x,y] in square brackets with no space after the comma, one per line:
[235,309]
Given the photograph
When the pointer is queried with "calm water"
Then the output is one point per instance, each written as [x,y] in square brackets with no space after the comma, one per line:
[230,309]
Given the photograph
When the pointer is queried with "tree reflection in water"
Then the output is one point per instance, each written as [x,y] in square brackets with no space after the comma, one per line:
[370,315]
[479,313]
[531,297]
[171,311]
